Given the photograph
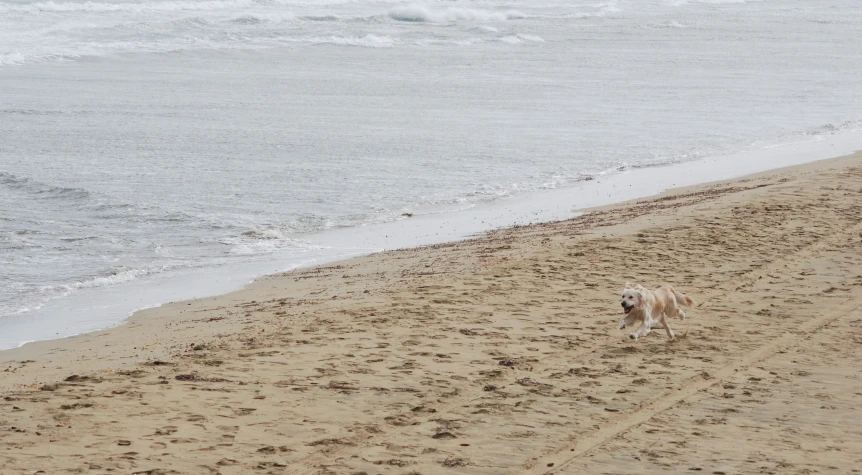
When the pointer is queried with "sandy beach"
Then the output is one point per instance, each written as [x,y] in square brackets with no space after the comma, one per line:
[500,354]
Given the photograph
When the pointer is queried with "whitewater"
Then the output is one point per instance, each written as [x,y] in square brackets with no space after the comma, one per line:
[152,151]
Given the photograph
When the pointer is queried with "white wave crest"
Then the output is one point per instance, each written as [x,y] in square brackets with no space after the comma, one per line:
[38,298]
[261,241]
[459,42]
[144,7]
[421,13]
[533,38]
[670,24]
[679,3]
[7,59]
[257,18]
[321,17]
[519,39]
[17,58]
[367,41]
[117,277]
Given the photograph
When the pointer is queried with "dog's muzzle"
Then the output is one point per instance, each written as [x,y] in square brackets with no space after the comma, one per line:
[627,309]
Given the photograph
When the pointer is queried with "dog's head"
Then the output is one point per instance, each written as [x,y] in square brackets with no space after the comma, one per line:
[632,297]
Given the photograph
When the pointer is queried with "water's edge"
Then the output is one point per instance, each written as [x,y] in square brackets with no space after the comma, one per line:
[85,313]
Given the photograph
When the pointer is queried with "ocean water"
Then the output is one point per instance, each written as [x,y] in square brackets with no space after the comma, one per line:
[156,150]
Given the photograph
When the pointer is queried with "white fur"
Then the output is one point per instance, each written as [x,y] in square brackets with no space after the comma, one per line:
[651,307]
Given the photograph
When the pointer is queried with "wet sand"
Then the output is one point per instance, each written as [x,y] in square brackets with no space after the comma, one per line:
[500,354]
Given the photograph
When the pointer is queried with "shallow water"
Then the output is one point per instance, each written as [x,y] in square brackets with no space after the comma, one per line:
[149,146]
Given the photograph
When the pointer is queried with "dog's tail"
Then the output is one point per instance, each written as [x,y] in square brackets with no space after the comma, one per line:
[682,299]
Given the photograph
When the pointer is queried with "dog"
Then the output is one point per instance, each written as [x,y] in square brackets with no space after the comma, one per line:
[651,307]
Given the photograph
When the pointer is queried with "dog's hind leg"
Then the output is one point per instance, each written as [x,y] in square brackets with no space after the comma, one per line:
[681,313]
[667,328]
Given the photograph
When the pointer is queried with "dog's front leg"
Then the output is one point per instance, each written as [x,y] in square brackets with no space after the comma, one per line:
[641,332]
[628,321]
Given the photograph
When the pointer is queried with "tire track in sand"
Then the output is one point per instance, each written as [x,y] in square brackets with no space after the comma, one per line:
[582,445]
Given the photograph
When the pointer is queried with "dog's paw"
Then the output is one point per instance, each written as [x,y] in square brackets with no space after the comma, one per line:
[622,325]
[633,336]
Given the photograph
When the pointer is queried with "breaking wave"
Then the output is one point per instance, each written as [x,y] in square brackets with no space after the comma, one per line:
[421,13]
[519,39]
[41,190]
[147,7]
[261,241]
[258,18]
[367,41]
[37,298]
[120,276]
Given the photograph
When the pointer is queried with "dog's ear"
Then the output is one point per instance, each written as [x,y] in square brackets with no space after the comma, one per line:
[628,285]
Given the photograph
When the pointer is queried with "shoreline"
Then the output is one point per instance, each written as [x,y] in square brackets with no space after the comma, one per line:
[468,236]
[259,281]
[499,354]
[92,313]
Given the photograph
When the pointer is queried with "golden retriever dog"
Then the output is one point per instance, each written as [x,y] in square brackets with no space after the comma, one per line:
[652,307]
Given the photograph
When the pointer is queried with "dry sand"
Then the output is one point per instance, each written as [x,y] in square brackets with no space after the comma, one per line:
[496,355]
